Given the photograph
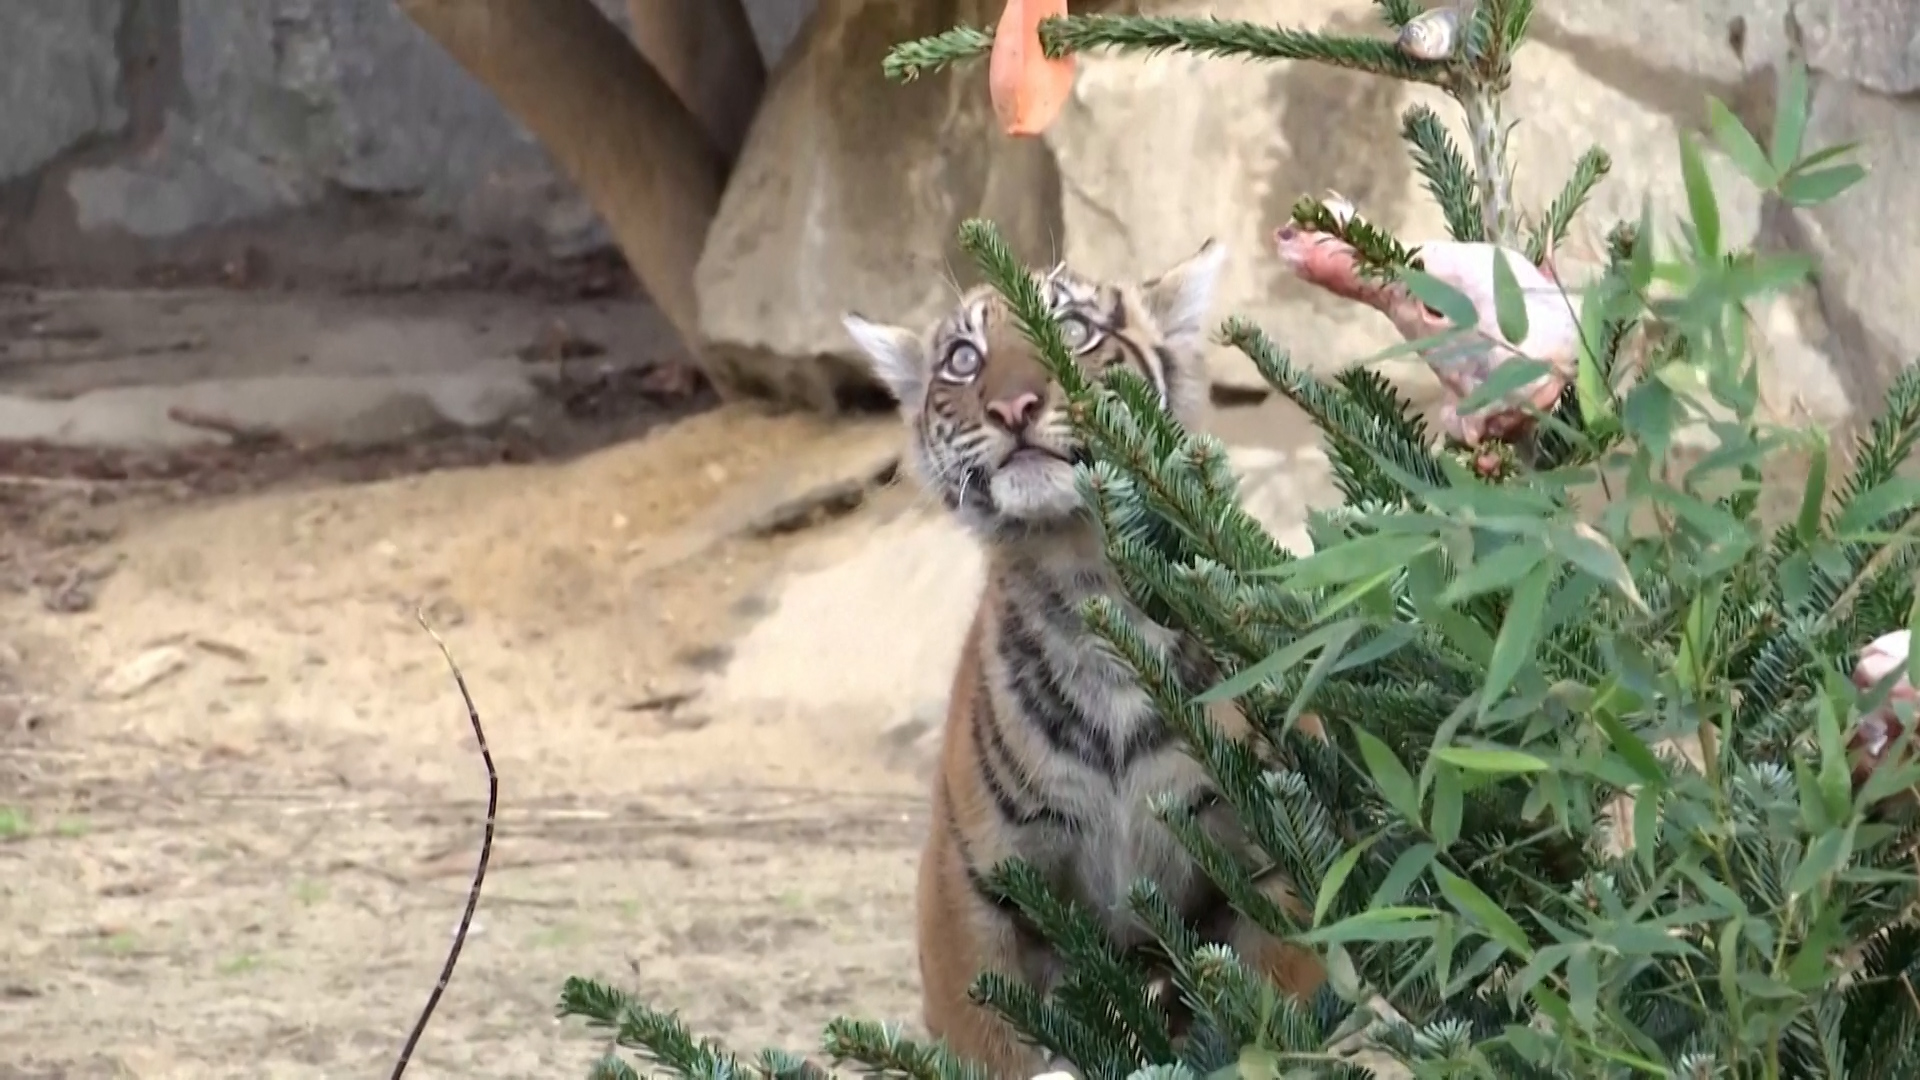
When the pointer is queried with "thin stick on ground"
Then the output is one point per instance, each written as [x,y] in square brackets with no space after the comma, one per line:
[479,870]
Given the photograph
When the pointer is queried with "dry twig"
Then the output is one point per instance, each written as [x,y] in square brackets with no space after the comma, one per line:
[479,870]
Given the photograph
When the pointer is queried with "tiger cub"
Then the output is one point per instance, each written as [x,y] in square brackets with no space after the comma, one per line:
[1050,748]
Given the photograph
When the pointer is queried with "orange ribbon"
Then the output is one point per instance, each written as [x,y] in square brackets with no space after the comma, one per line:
[1028,89]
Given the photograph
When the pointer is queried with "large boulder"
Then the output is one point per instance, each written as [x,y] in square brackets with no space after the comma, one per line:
[851,187]
[849,194]
[59,80]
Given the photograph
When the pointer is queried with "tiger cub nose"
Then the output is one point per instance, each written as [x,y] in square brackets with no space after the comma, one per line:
[1015,413]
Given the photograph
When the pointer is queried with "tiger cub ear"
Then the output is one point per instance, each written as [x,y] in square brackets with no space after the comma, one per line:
[1179,299]
[897,356]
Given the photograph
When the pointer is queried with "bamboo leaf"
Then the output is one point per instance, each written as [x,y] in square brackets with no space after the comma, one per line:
[1394,781]
[1703,207]
[1496,762]
[1509,304]
[1518,632]
[1739,144]
[1789,116]
[1465,896]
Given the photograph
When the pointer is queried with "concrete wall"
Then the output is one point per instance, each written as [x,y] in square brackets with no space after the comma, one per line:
[302,139]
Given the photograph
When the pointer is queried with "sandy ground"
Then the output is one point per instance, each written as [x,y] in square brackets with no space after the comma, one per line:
[240,801]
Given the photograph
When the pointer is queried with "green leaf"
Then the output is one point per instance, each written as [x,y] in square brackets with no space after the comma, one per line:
[1370,589]
[1713,889]
[1444,932]
[1332,636]
[1494,761]
[1869,508]
[1701,204]
[1465,896]
[1448,805]
[1389,640]
[1508,376]
[1393,779]
[1452,304]
[1590,388]
[1583,988]
[1640,267]
[1789,116]
[1430,342]
[1585,548]
[1826,855]
[1739,144]
[1498,570]
[1406,869]
[1515,645]
[1323,666]
[1836,772]
[1337,875]
[1814,495]
[1821,157]
[1649,414]
[1646,826]
[1820,185]
[1354,560]
[1913,635]
[1461,632]
[1374,924]
[1628,745]
[1509,304]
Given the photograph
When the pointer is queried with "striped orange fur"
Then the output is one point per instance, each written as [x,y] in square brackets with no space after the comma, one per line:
[1051,750]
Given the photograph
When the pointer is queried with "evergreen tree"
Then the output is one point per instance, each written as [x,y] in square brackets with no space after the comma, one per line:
[1513,869]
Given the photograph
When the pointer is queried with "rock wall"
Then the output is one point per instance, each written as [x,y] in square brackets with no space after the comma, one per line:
[849,187]
[331,137]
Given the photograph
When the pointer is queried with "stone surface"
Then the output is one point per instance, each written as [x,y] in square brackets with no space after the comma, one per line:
[339,409]
[848,195]
[1868,240]
[205,118]
[102,368]
[332,131]
[900,594]
[59,79]
[1154,154]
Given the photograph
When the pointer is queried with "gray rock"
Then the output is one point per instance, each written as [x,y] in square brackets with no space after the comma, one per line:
[336,409]
[1873,43]
[59,79]
[280,108]
[848,194]
[290,102]
[1868,240]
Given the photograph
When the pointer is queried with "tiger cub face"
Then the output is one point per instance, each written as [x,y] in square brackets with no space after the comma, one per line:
[990,433]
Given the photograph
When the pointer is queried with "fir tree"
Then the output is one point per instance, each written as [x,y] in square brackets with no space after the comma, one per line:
[1513,868]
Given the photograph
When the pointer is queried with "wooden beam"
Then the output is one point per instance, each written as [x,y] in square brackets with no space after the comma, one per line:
[611,123]
[706,51]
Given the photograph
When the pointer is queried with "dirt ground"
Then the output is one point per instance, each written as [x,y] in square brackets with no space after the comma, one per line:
[240,801]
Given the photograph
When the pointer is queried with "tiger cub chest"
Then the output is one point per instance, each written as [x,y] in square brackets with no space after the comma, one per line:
[1105,756]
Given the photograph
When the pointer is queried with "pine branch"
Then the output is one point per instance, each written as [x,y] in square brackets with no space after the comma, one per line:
[1487,136]
[1047,1025]
[1448,176]
[1091,958]
[1348,427]
[1016,283]
[1379,255]
[885,1052]
[1592,167]
[909,60]
[1149,34]
[1398,13]
[659,1037]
